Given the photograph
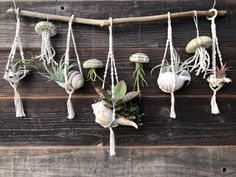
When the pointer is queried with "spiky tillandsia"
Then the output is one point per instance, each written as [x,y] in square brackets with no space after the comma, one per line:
[139,74]
[93,65]
[56,72]
[16,70]
[125,104]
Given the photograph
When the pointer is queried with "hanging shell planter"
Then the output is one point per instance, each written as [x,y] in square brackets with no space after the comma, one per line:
[139,59]
[114,107]
[198,46]
[172,76]
[46,30]
[93,65]
[217,77]
[16,70]
[63,74]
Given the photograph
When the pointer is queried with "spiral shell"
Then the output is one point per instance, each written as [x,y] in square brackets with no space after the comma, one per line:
[166,82]
[104,116]
[75,80]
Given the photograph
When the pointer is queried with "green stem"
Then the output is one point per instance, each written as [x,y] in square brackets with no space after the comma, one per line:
[139,75]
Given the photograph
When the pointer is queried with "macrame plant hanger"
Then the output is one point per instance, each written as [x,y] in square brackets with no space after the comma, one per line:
[114,78]
[14,77]
[216,80]
[173,57]
[73,79]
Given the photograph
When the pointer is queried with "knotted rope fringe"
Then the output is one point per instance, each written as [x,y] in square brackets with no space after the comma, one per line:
[111,58]
[201,57]
[71,113]
[14,81]
[215,51]
[173,57]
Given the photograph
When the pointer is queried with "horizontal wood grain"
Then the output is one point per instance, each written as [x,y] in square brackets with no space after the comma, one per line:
[130,161]
[46,123]
[45,103]
[151,34]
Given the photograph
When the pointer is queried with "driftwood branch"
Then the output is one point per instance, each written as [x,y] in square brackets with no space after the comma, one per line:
[102,23]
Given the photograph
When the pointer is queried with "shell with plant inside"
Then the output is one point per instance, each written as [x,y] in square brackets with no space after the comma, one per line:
[126,110]
[219,78]
[104,116]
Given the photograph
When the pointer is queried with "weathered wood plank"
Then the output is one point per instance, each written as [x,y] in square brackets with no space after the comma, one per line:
[35,85]
[47,124]
[124,35]
[136,161]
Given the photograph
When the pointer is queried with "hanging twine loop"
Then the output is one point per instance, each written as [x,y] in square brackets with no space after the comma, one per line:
[215,83]
[12,76]
[68,83]
[114,77]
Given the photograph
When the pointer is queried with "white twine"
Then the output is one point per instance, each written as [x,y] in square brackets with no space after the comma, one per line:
[201,58]
[71,113]
[15,80]
[111,58]
[215,52]
[173,58]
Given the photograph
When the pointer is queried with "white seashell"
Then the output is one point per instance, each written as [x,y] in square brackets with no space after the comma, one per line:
[75,80]
[44,25]
[217,82]
[167,81]
[104,116]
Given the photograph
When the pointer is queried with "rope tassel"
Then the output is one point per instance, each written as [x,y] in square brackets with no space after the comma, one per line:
[214,106]
[172,109]
[70,109]
[18,103]
[112,142]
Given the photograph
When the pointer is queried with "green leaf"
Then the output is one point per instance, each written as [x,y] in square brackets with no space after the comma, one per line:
[129,96]
[101,92]
[120,90]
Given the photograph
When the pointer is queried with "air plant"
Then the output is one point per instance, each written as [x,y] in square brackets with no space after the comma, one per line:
[93,65]
[219,77]
[180,70]
[16,70]
[127,111]
[139,74]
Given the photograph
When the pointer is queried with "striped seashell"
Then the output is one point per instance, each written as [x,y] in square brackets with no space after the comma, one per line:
[202,41]
[75,80]
[166,82]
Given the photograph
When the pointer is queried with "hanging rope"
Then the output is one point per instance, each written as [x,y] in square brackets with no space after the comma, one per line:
[111,59]
[214,83]
[173,58]
[68,86]
[13,77]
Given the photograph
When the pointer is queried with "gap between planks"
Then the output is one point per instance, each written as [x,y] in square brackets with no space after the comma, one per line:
[95,96]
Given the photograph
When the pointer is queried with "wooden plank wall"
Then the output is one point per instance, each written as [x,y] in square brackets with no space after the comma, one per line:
[45,103]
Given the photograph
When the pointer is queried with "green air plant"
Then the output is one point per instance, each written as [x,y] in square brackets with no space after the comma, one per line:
[16,70]
[56,72]
[126,109]
[93,65]
[139,74]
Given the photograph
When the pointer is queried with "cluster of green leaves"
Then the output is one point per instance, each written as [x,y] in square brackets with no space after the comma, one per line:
[19,65]
[179,66]
[125,104]
[139,75]
[56,72]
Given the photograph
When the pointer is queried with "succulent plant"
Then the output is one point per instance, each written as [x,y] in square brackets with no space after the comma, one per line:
[221,71]
[124,102]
